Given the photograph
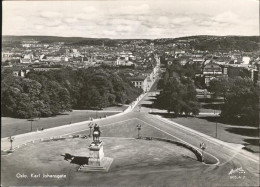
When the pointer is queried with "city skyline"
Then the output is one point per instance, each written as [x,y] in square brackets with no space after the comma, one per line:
[131,19]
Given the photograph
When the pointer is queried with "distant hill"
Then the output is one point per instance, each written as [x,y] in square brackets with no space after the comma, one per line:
[50,39]
[212,43]
[203,42]
[244,43]
[71,40]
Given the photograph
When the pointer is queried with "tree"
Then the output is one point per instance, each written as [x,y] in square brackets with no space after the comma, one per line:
[242,102]
[59,98]
[220,87]
[179,94]
[53,92]
[26,98]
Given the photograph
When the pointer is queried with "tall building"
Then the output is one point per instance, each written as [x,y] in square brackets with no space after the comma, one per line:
[152,46]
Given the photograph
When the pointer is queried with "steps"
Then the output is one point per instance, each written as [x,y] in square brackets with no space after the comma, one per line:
[104,167]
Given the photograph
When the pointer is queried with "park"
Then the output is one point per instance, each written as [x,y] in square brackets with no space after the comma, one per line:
[147,148]
[142,155]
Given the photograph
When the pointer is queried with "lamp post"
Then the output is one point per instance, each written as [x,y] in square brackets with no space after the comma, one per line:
[90,125]
[11,139]
[215,112]
[205,95]
[203,147]
[216,129]
[31,120]
[139,127]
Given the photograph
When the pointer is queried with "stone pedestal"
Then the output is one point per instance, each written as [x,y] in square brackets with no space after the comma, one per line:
[96,154]
[97,161]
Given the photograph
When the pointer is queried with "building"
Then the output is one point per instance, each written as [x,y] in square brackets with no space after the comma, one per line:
[140,82]
[149,73]
[121,61]
[45,68]
[212,70]
[152,46]
[29,43]
[246,60]
[20,71]
[25,61]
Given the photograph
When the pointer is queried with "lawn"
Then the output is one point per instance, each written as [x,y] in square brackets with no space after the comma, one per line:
[128,129]
[245,135]
[136,163]
[14,126]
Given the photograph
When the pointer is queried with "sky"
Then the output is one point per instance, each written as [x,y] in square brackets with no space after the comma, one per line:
[129,19]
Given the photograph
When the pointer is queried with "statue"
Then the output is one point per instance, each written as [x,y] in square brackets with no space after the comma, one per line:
[96,134]
[96,158]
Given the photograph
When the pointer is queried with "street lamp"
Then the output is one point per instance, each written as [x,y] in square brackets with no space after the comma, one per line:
[139,127]
[216,123]
[90,125]
[216,128]
[11,139]
[31,120]
[203,147]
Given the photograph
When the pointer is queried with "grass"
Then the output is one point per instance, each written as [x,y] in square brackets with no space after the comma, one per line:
[224,132]
[133,159]
[136,163]
[14,126]
[128,129]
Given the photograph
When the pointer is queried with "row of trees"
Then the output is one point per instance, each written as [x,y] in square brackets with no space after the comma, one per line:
[241,99]
[25,98]
[49,93]
[179,93]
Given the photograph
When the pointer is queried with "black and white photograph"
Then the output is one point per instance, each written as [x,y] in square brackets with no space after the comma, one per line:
[130,93]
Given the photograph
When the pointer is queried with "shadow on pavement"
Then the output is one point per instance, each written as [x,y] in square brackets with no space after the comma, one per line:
[252,141]
[244,131]
[75,159]
[147,105]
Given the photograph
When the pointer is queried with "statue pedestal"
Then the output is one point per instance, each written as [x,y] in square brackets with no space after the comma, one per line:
[97,161]
[96,154]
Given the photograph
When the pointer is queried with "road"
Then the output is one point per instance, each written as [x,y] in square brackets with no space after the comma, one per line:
[229,156]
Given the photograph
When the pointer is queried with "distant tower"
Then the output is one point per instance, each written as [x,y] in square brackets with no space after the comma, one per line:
[67,51]
[134,47]
[152,46]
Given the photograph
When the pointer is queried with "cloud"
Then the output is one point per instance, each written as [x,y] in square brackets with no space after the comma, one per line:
[163,20]
[90,9]
[50,15]
[226,17]
[53,23]
[181,20]
[131,19]
[39,27]
[71,20]
[131,10]
[89,16]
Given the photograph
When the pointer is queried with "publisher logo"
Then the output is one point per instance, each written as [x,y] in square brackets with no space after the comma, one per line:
[237,173]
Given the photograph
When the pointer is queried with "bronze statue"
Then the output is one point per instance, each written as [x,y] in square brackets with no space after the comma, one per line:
[96,134]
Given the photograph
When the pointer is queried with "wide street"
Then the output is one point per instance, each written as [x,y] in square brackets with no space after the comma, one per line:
[229,156]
